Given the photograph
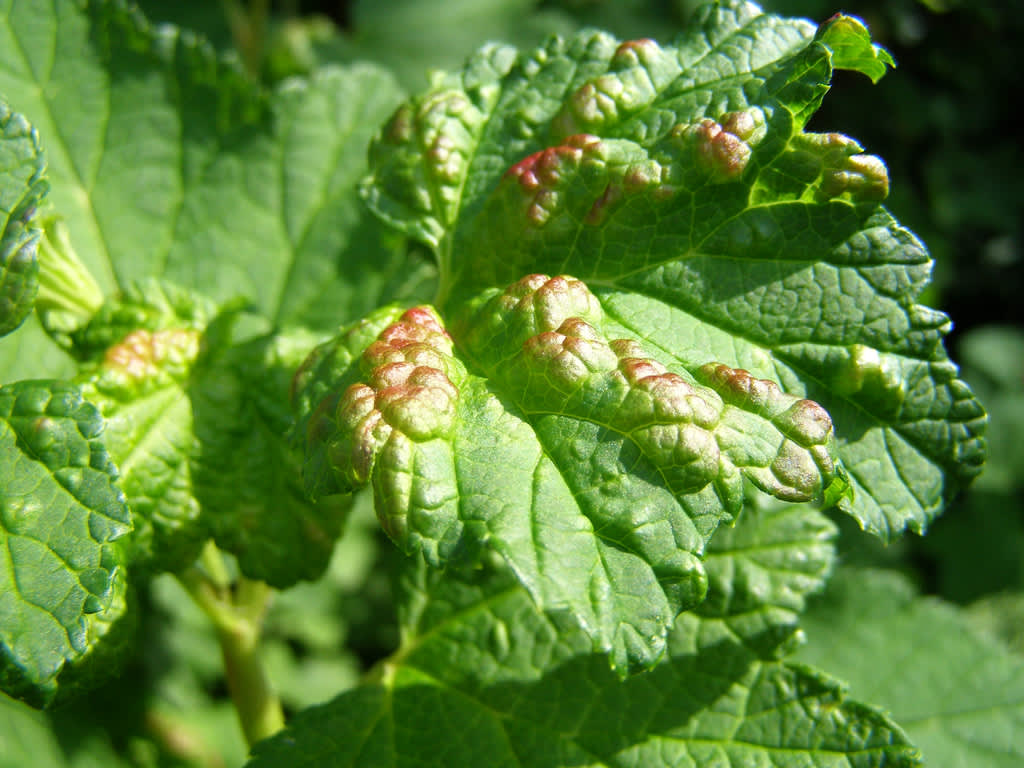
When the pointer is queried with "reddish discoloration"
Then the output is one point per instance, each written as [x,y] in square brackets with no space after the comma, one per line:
[527,285]
[424,318]
[640,177]
[408,394]
[740,123]
[579,328]
[599,211]
[740,382]
[814,422]
[635,51]
[544,168]
[142,353]
[724,153]
[636,369]
[392,374]
[626,348]
[805,421]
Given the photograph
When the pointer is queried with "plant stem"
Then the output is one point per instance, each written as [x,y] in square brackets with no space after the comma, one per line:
[249,30]
[237,617]
[258,707]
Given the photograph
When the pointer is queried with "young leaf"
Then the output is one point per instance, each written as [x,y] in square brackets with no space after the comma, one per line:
[959,694]
[248,478]
[678,184]
[62,585]
[145,344]
[167,162]
[22,187]
[196,424]
[481,672]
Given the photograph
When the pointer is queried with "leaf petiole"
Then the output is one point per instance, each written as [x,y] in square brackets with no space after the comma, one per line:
[237,615]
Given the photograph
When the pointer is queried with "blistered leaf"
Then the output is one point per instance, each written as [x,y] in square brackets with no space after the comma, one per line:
[144,345]
[678,183]
[593,470]
[22,187]
[62,585]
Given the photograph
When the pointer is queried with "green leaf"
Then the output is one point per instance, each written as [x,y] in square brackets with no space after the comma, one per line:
[196,422]
[761,571]
[959,694]
[248,479]
[678,184]
[481,672]
[26,738]
[614,471]
[167,162]
[851,46]
[145,344]
[63,581]
[22,187]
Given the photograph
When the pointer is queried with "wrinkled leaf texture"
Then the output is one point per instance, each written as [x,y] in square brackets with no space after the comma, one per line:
[700,226]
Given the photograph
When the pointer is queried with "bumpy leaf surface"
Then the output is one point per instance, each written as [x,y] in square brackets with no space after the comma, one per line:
[679,185]
[167,162]
[481,672]
[594,421]
[959,694]
[145,344]
[62,579]
[761,571]
[196,421]
[594,471]
[21,188]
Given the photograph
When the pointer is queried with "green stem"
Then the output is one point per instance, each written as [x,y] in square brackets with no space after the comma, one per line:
[237,618]
[249,30]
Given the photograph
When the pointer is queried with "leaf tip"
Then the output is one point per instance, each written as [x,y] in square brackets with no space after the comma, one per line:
[849,40]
